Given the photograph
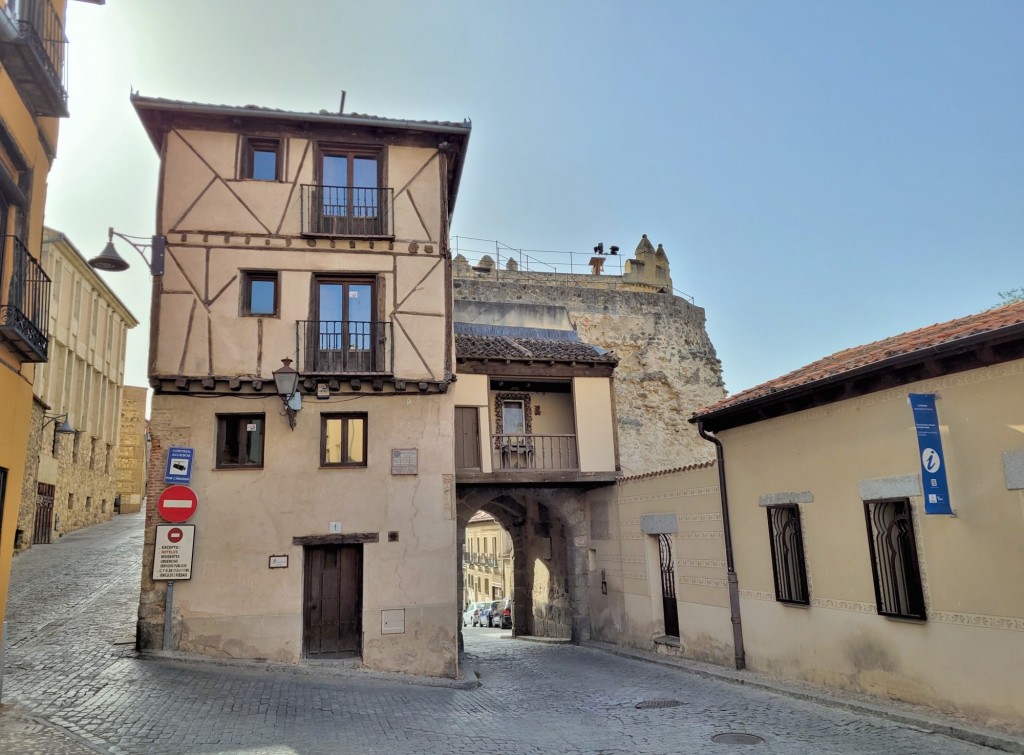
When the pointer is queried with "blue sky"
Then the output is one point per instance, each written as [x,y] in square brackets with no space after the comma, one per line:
[821,174]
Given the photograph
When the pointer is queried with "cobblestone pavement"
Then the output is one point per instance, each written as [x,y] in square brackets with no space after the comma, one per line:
[73,684]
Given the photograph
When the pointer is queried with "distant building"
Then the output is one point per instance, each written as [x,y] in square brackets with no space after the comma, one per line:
[132,450]
[74,475]
[486,559]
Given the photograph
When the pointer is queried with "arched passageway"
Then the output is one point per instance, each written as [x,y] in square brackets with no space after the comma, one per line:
[549,556]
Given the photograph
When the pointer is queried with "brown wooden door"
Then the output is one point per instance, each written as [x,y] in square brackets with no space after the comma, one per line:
[467,438]
[333,601]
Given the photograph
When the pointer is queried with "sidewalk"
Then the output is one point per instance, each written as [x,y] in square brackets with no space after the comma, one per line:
[919,717]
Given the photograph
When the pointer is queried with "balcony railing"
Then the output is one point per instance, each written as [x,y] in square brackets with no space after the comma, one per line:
[344,347]
[347,211]
[535,452]
[24,311]
[35,58]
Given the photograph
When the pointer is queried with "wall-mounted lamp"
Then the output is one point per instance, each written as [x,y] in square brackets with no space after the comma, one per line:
[286,378]
[61,424]
[111,261]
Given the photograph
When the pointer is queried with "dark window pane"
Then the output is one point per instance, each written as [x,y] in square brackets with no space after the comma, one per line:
[261,297]
[254,441]
[239,440]
[264,164]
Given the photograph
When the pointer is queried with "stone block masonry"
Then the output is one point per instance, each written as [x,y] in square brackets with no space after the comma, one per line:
[667,368]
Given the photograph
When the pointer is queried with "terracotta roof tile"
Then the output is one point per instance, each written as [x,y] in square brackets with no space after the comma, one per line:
[504,347]
[879,351]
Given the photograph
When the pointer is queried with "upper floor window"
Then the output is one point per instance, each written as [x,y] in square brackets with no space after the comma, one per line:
[894,565]
[239,440]
[343,440]
[348,200]
[262,159]
[788,564]
[260,293]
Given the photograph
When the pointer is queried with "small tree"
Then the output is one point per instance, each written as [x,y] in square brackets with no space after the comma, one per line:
[1011,296]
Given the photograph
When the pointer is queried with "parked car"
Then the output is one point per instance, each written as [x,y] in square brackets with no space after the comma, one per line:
[483,615]
[471,616]
[493,613]
[501,614]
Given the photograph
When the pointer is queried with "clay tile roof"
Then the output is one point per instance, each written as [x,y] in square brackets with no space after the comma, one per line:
[666,472]
[861,358]
[540,349]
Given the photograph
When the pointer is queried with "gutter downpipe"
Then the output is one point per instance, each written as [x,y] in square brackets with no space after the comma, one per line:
[734,586]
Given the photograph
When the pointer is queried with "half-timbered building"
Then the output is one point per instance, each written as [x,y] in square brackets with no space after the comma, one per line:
[313,243]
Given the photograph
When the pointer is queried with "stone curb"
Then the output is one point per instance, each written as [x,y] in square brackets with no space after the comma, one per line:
[312,668]
[891,710]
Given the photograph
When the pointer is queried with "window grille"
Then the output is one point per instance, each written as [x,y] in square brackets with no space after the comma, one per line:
[788,555]
[894,564]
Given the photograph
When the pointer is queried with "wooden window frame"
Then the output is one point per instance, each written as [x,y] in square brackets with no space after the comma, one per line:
[250,146]
[327,416]
[222,429]
[349,152]
[789,574]
[248,278]
[890,600]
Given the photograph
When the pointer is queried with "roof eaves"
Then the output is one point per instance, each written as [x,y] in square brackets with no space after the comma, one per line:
[782,395]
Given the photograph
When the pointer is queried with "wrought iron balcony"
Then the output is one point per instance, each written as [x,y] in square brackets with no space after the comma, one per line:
[347,211]
[344,347]
[35,57]
[535,452]
[25,302]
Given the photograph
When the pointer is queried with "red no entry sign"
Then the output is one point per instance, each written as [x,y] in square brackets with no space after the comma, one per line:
[177,503]
[174,534]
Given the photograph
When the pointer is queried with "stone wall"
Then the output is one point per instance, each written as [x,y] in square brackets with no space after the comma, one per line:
[29,488]
[667,368]
[131,449]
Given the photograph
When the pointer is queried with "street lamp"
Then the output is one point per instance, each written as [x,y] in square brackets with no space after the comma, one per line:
[64,428]
[286,378]
[111,261]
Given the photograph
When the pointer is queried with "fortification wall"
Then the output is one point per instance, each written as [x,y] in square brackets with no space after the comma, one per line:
[667,369]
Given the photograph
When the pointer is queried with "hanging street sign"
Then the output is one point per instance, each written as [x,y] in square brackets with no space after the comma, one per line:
[177,503]
[179,465]
[933,464]
[172,559]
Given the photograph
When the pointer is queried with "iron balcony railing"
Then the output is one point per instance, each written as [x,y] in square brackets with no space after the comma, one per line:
[344,347]
[347,211]
[35,58]
[535,452]
[25,309]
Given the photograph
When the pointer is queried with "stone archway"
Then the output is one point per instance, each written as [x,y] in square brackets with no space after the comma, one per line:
[549,556]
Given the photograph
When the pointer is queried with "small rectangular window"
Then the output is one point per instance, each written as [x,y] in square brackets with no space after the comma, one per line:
[239,440]
[894,565]
[788,555]
[259,293]
[343,440]
[262,159]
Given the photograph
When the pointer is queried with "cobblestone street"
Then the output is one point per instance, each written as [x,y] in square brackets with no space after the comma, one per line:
[73,684]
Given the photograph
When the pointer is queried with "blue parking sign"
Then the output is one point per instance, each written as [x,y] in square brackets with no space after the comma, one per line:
[179,465]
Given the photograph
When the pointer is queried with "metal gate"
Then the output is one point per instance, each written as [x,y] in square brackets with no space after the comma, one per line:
[44,514]
[668,586]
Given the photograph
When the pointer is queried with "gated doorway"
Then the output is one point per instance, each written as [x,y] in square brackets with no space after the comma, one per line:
[43,529]
[668,585]
[332,601]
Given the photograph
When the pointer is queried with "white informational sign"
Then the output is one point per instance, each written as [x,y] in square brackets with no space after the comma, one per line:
[172,559]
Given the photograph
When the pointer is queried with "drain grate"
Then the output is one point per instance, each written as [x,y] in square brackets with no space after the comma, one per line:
[646,704]
[737,738]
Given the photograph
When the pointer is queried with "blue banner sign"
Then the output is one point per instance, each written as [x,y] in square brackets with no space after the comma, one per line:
[933,464]
[179,465]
